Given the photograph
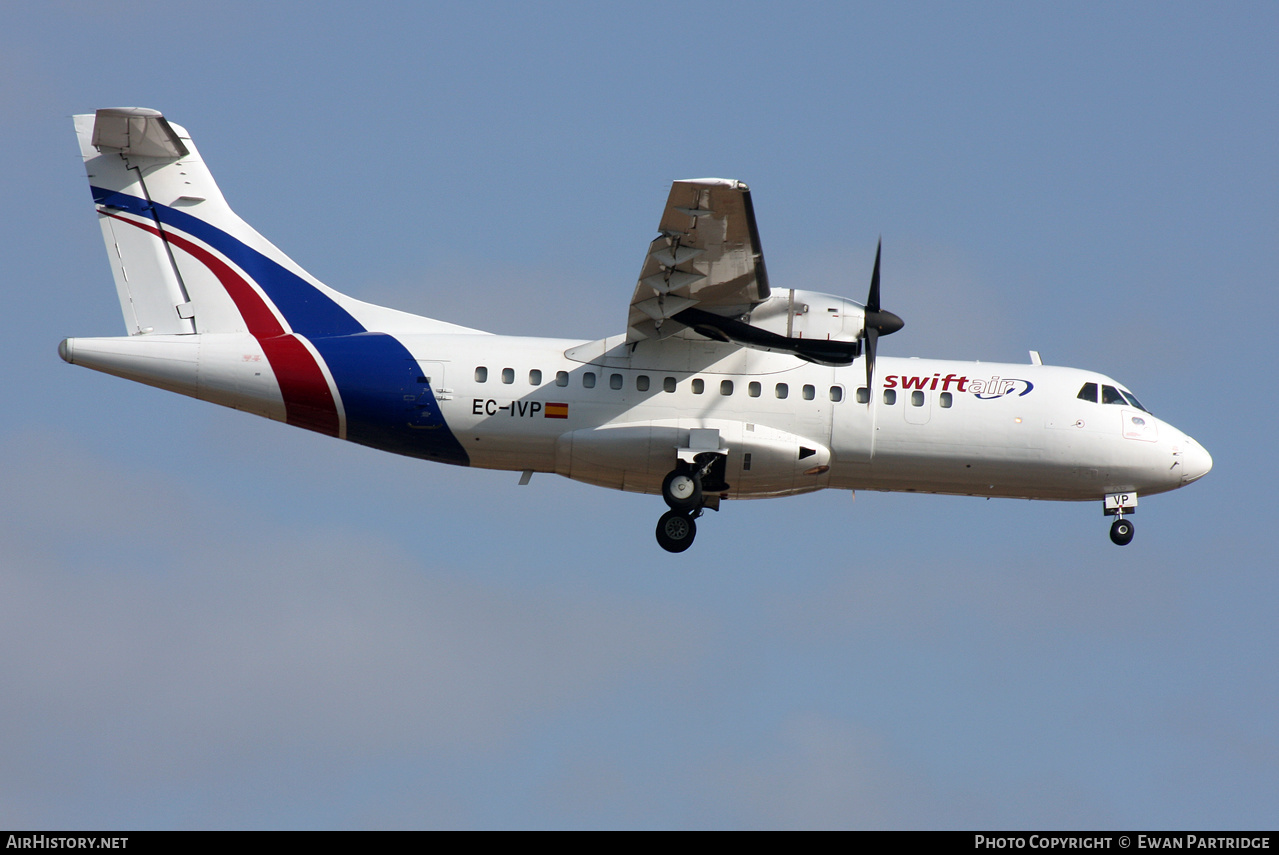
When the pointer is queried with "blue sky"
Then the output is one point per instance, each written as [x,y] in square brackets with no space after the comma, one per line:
[213,621]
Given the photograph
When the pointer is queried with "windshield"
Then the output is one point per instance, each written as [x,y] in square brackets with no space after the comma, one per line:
[1132,399]
[1110,395]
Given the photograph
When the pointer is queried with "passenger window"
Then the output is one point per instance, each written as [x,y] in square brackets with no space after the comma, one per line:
[917,398]
[837,393]
[481,374]
[754,389]
[944,400]
[698,386]
[1110,395]
[863,395]
[668,384]
[809,392]
[535,377]
[508,375]
[641,383]
[1088,392]
[588,380]
[726,387]
[890,396]
[561,378]
[615,381]
[782,391]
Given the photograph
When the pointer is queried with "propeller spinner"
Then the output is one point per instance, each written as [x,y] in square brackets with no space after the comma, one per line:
[878,322]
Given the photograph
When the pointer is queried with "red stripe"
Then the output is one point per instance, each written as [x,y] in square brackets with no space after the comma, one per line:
[308,401]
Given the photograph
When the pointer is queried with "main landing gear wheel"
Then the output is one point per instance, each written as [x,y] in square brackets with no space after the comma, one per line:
[682,489]
[1121,532]
[676,530]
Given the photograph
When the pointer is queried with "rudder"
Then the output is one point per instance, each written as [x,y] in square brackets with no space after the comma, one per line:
[120,147]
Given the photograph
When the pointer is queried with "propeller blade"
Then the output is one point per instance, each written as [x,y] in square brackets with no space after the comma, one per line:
[877,322]
[871,336]
[872,301]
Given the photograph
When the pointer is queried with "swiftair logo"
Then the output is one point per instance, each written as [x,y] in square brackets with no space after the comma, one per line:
[986,389]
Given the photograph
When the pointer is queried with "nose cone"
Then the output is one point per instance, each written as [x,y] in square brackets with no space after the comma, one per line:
[885,322]
[1196,461]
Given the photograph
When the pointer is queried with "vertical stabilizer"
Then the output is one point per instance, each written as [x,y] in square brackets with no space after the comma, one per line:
[184,262]
[215,310]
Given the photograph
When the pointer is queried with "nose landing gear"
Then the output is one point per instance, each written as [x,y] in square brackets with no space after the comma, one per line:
[1118,504]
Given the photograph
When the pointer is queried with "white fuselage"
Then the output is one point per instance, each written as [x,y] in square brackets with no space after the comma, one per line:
[975,428]
[614,414]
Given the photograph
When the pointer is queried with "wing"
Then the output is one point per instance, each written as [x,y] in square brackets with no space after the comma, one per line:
[706,257]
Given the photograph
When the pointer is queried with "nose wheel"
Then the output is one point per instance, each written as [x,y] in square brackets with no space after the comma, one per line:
[1121,532]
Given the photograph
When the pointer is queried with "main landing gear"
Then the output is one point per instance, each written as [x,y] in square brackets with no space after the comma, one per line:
[1118,504]
[684,490]
[676,530]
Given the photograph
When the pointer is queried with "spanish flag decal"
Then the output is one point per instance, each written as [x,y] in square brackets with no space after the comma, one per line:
[556,411]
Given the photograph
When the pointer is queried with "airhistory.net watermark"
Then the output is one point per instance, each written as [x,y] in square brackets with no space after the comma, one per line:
[48,841]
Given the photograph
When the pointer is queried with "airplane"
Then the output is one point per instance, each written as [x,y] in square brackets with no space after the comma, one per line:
[721,387]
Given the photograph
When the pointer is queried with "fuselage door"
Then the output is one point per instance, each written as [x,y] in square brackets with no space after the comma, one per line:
[852,435]
[422,402]
[917,405]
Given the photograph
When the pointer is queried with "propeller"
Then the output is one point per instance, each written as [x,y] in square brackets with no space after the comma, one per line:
[878,322]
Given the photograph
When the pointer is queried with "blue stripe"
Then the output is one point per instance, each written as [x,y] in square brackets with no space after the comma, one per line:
[377,378]
[308,311]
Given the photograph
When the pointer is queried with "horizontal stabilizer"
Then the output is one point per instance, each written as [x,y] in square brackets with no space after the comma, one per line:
[136,131]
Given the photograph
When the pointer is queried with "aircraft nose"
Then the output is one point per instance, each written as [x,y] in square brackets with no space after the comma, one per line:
[1196,461]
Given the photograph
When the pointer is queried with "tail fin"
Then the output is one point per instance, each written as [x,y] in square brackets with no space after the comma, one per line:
[216,311]
[184,262]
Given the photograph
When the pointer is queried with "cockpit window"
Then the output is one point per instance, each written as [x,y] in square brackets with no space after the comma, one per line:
[1111,395]
[1132,399]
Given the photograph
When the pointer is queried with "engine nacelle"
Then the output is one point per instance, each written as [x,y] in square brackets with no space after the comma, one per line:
[810,315]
